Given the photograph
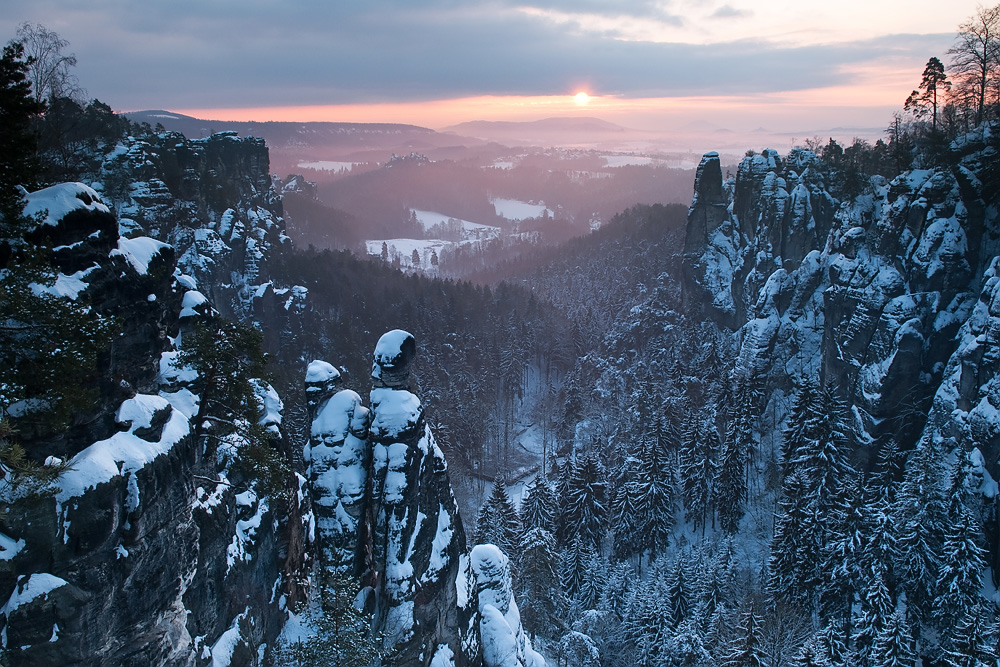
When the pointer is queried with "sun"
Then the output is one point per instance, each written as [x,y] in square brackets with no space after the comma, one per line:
[581,99]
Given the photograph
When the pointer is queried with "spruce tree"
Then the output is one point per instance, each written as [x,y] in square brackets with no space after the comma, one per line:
[538,506]
[894,646]
[793,555]
[699,450]
[587,508]
[497,523]
[746,648]
[654,498]
[970,640]
[539,597]
[919,518]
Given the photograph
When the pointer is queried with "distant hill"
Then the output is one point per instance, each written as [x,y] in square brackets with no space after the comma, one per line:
[547,131]
[292,143]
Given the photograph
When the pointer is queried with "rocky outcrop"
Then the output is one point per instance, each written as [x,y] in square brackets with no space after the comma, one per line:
[147,549]
[385,509]
[382,496]
[867,291]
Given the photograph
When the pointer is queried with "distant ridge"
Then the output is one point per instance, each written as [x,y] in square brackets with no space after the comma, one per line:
[559,124]
[194,128]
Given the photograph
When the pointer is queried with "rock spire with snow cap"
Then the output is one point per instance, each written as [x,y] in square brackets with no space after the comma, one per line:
[394,353]
[339,457]
[424,599]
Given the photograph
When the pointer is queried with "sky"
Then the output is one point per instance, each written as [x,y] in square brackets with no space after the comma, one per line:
[781,65]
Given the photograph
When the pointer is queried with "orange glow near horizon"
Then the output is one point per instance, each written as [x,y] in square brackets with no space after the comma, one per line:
[875,88]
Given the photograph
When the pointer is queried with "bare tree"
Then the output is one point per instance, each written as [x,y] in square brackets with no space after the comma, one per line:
[975,57]
[49,69]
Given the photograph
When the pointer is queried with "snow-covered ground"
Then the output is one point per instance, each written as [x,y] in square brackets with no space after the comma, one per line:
[428,219]
[516,210]
[405,247]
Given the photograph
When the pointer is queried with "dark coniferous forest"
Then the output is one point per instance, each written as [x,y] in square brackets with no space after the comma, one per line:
[761,430]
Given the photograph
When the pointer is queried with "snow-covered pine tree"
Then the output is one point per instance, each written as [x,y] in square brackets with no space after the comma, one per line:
[699,450]
[624,515]
[497,522]
[970,641]
[731,486]
[920,519]
[831,645]
[962,556]
[800,422]
[565,532]
[813,503]
[745,649]
[843,572]
[894,646]
[680,590]
[587,506]
[539,595]
[792,563]
[877,607]
[538,506]
[577,561]
[655,502]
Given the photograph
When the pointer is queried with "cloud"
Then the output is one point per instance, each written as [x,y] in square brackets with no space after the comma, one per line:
[730,12]
[216,53]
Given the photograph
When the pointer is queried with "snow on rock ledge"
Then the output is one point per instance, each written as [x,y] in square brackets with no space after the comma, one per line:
[59,200]
[127,451]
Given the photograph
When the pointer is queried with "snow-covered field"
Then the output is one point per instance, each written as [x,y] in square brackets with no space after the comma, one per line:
[428,219]
[516,210]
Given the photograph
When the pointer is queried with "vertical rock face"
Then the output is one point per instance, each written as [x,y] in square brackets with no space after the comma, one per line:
[418,539]
[339,457]
[385,508]
[711,246]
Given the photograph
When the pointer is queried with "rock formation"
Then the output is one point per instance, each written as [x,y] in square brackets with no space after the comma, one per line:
[385,508]
[869,291]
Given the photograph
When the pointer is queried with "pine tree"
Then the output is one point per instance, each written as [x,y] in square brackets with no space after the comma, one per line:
[19,163]
[970,641]
[680,592]
[831,646]
[577,564]
[698,469]
[731,487]
[934,85]
[919,517]
[791,564]
[812,504]
[654,498]
[843,565]
[342,636]
[539,597]
[625,512]
[565,532]
[497,523]
[877,606]
[801,419]
[538,506]
[963,559]
[894,646]
[586,509]
[746,647]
